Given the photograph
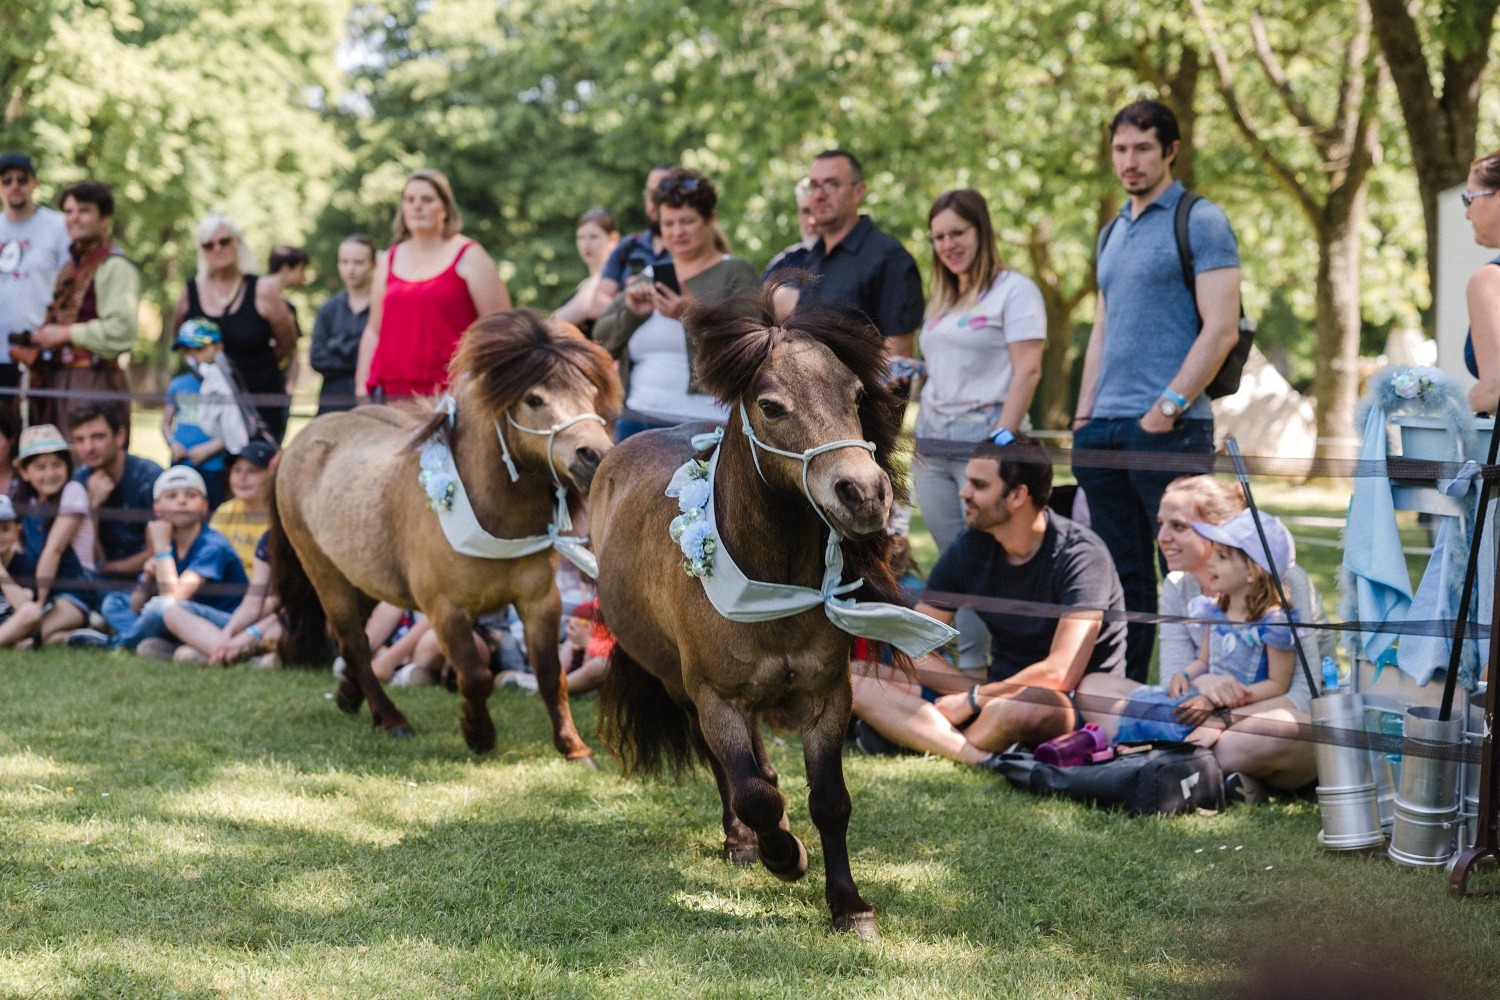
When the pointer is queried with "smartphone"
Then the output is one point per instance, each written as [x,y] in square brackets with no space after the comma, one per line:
[665,274]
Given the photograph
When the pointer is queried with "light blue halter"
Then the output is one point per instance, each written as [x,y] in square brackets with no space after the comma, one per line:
[741,599]
[461,525]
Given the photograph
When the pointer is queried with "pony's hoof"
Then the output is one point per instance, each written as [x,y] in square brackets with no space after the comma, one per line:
[585,760]
[790,870]
[862,924]
[481,743]
[401,732]
[346,703]
[739,852]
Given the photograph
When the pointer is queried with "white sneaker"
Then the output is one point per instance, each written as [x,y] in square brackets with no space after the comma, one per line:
[265,661]
[156,648]
[519,679]
[412,675]
[187,654]
[338,667]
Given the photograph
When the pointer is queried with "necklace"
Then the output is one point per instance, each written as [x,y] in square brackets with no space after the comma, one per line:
[224,300]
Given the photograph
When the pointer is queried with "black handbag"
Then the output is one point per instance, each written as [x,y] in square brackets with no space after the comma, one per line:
[1161,778]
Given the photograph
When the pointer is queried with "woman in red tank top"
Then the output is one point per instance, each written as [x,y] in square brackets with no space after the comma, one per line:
[431,285]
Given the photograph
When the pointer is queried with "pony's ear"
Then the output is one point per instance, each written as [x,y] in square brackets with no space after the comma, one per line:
[733,338]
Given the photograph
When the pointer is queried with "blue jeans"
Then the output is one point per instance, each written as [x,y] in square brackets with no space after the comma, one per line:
[1122,508]
[131,627]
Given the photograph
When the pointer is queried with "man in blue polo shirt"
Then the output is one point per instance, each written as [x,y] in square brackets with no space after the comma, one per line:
[1154,348]
[119,486]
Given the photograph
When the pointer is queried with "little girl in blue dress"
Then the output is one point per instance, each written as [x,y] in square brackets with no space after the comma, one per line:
[1249,645]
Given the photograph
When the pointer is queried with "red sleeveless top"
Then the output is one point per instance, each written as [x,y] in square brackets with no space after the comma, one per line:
[420,326]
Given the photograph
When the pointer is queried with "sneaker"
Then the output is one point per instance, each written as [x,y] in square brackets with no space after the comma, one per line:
[187,654]
[338,667]
[265,661]
[87,638]
[97,622]
[1241,787]
[870,741]
[412,675]
[156,648]
[519,679]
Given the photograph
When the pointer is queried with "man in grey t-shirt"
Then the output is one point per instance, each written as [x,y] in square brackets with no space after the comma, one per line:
[1153,350]
[33,247]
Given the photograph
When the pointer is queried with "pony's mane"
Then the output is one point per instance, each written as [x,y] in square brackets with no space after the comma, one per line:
[734,338]
[506,353]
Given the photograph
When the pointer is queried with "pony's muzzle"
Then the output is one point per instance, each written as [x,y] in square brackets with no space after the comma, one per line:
[583,466]
[866,501]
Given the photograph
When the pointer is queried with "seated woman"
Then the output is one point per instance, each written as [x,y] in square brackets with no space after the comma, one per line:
[643,328]
[1260,741]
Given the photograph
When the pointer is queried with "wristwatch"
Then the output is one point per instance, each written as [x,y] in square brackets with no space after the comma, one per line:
[1171,404]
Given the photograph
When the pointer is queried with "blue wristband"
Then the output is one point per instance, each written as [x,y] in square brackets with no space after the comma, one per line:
[1003,437]
[254,632]
[162,555]
[1175,397]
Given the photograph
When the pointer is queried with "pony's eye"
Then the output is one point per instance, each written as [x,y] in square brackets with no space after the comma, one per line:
[534,401]
[771,409]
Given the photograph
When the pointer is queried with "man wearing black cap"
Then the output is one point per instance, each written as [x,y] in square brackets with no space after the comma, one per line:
[33,248]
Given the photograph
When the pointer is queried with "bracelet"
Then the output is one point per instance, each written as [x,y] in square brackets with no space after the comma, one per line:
[1003,437]
[255,633]
[974,698]
[163,555]
[1176,397]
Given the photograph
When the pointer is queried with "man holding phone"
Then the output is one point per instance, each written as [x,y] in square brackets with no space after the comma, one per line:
[643,329]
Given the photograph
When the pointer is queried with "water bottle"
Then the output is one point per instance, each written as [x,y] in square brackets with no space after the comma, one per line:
[1330,675]
[1078,747]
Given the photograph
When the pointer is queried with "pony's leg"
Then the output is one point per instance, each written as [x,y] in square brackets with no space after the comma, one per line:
[757,743]
[755,801]
[739,841]
[455,633]
[347,610]
[828,805]
[542,618]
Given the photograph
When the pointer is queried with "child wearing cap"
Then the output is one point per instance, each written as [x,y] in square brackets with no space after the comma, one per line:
[19,614]
[244,517]
[201,417]
[1247,646]
[191,565]
[58,527]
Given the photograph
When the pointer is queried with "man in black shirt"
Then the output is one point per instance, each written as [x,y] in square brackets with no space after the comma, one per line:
[858,265]
[1015,549]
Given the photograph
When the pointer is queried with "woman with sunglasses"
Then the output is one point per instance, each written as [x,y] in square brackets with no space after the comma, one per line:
[430,286]
[643,327]
[259,333]
[982,347]
[1482,348]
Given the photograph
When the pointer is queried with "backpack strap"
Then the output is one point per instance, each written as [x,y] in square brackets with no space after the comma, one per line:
[1109,227]
[1185,247]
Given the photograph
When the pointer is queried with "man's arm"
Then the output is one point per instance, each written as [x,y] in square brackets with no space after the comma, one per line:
[1062,668]
[1093,356]
[1219,306]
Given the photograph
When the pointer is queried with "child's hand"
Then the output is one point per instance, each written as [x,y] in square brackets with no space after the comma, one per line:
[99,486]
[159,534]
[178,452]
[1223,691]
[1178,685]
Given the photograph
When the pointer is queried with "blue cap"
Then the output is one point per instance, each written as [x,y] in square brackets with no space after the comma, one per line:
[196,333]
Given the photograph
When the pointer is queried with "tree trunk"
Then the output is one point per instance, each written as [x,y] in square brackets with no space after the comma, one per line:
[1336,384]
[1052,406]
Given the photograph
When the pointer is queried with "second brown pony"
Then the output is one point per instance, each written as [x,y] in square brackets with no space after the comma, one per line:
[352,524]
[683,678]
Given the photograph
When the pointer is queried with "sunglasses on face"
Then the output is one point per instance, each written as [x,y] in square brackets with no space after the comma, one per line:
[1470,197]
[12,179]
[685,185]
[218,244]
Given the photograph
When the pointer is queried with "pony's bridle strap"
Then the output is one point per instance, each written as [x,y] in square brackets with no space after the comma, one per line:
[805,457]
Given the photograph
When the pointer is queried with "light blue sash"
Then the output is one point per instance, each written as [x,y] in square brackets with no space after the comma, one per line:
[741,599]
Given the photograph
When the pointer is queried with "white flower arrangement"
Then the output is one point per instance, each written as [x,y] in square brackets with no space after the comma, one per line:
[690,529]
[1413,383]
[437,482]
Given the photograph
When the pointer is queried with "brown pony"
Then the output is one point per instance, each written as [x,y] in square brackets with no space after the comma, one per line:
[350,523]
[682,677]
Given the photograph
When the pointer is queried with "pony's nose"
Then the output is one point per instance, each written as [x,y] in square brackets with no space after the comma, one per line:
[855,494]
[586,458]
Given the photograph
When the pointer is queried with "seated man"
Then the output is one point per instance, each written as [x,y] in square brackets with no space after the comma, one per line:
[1016,549]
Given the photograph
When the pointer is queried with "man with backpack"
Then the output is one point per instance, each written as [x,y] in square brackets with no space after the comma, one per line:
[1166,320]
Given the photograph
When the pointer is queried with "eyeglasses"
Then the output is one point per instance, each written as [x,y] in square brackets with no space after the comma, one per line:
[218,244]
[12,179]
[938,239]
[686,185]
[1470,197]
[833,186]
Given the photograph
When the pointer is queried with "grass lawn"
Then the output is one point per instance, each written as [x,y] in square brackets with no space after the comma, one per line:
[174,831]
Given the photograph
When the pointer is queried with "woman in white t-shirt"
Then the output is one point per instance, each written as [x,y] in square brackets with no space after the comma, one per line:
[982,347]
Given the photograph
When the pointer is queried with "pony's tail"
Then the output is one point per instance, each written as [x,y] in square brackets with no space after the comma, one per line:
[645,730]
[304,639]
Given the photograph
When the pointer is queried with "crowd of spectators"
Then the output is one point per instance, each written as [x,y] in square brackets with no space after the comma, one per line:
[124,554]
